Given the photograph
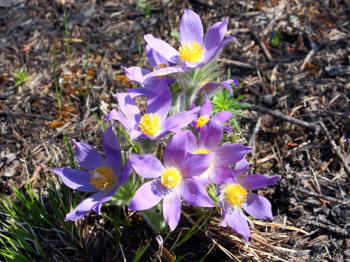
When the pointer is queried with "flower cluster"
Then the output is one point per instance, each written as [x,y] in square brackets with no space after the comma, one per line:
[183,146]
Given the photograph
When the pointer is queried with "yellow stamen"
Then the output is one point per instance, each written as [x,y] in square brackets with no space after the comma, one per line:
[103,178]
[191,52]
[150,124]
[235,194]
[201,121]
[171,177]
[202,151]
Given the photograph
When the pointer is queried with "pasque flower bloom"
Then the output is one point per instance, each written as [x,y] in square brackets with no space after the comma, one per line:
[196,49]
[102,176]
[222,157]
[235,197]
[154,123]
[171,181]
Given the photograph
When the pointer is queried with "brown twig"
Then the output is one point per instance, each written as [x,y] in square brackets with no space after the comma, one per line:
[238,64]
[313,194]
[26,115]
[335,148]
[284,117]
[330,228]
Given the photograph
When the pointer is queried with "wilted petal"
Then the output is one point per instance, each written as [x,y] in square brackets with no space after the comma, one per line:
[255,181]
[238,222]
[85,207]
[111,147]
[87,156]
[161,47]
[191,28]
[214,37]
[230,154]
[135,73]
[147,196]
[258,206]
[75,179]
[147,166]
[172,210]
[195,194]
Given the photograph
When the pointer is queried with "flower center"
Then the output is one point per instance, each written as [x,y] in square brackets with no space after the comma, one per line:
[191,52]
[201,121]
[149,124]
[171,177]
[235,194]
[202,151]
[103,178]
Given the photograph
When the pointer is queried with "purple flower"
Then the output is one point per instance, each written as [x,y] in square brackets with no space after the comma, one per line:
[103,176]
[196,49]
[235,196]
[154,123]
[171,181]
[222,157]
[205,115]
[212,87]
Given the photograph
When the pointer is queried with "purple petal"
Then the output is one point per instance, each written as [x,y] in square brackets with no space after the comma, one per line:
[214,37]
[85,207]
[161,72]
[161,47]
[128,107]
[254,182]
[238,222]
[147,166]
[175,151]
[106,197]
[210,135]
[135,73]
[212,87]
[191,28]
[230,154]
[147,196]
[172,210]
[118,116]
[213,53]
[222,116]
[191,142]
[126,172]
[196,164]
[258,206]
[206,108]
[161,105]
[87,156]
[75,179]
[112,151]
[241,167]
[154,58]
[195,194]
[180,120]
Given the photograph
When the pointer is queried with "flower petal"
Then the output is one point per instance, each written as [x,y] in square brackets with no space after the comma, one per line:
[75,179]
[196,164]
[191,141]
[238,222]
[161,47]
[154,58]
[161,105]
[191,28]
[85,207]
[214,37]
[126,172]
[180,120]
[258,206]
[147,166]
[230,154]
[172,210]
[206,108]
[147,196]
[211,135]
[175,151]
[255,181]
[241,167]
[213,53]
[87,156]
[118,116]
[211,87]
[194,193]
[111,147]
[128,107]
[222,116]
[135,73]
[161,72]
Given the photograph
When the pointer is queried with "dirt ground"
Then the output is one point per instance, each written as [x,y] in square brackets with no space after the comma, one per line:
[293,58]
